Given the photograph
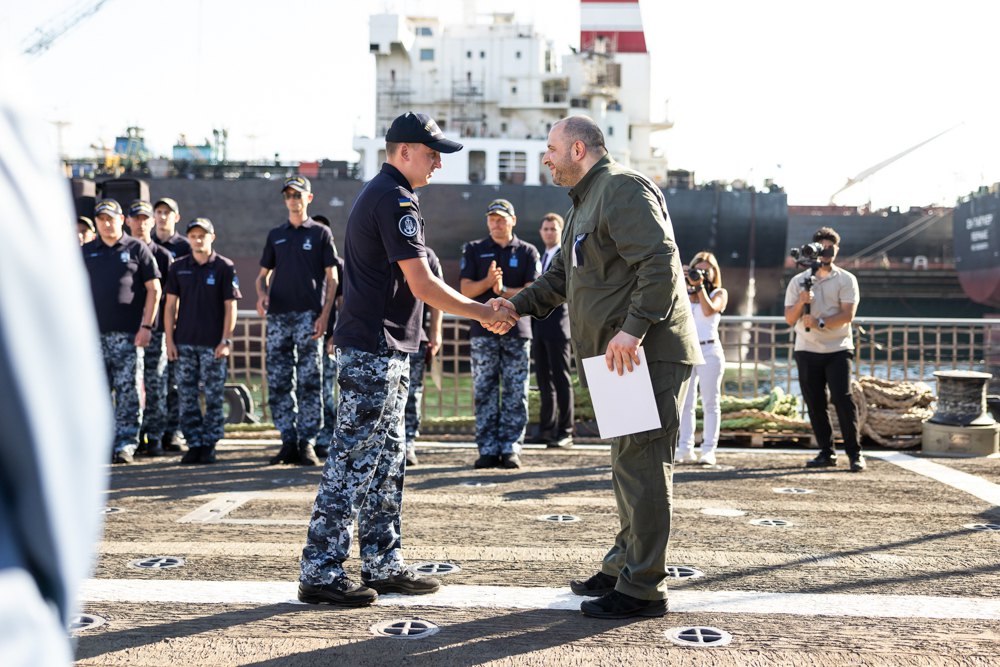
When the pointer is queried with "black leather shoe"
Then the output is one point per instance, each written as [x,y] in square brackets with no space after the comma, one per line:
[289,453]
[154,449]
[322,451]
[307,455]
[122,456]
[619,605]
[599,584]
[192,455]
[207,454]
[343,592]
[565,442]
[487,461]
[510,461]
[406,582]
[859,464]
[822,461]
[173,442]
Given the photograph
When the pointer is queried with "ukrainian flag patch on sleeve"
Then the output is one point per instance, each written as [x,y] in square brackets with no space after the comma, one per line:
[405,202]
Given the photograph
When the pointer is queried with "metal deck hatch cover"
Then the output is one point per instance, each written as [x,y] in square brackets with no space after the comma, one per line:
[559,518]
[771,522]
[983,526]
[158,562]
[699,636]
[684,572]
[722,511]
[435,568]
[792,489]
[86,622]
[407,628]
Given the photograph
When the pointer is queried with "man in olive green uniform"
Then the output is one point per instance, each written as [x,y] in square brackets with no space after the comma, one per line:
[620,273]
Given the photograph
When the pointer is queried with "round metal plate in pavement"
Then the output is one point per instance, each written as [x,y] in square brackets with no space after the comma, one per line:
[683,572]
[983,526]
[289,481]
[407,628]
[85,622]
[792,490]
[436,569]
[112,510]
[559,518]
[479,485]
[157,562]
[722,511]
[782,523]
[699,636]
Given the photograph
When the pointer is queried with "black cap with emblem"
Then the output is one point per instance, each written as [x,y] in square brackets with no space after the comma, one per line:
[419,128]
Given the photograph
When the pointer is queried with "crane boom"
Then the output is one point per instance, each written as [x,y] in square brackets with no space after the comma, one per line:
[885,163]
[56,28]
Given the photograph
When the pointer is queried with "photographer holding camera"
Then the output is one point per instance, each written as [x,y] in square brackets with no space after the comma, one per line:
[820,303]
[708,300]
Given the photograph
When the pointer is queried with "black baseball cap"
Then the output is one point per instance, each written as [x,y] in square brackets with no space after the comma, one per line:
[140,207]
[501,207]
[300,183]
[419,128]
[107,206]
[204,223]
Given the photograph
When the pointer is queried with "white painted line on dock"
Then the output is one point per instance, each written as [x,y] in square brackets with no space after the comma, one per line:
[963,481]
[515,597]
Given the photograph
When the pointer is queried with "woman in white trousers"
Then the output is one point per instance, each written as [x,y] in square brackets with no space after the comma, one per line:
[708,300]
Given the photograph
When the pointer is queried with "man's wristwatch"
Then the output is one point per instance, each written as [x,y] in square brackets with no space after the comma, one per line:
[147,326]
[822,323]
[228,342]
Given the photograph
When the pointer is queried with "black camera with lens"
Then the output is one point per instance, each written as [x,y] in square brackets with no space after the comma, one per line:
[810,253]
[698,274]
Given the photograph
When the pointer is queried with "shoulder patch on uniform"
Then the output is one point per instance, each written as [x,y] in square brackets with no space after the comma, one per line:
[408,226]
[405,202]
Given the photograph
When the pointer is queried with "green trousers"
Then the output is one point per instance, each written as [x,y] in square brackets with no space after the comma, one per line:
[642,467]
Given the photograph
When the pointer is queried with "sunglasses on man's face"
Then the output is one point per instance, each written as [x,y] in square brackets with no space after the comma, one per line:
[292,195]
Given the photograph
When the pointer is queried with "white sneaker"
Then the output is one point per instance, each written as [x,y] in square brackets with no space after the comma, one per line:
[685,455]
[707,459]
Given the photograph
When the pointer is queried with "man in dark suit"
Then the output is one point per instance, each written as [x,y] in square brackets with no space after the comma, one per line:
[552,356]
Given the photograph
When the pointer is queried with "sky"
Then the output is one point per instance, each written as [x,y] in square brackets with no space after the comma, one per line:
[804,93]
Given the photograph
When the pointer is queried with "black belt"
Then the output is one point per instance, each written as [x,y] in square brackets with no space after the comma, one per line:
[706,342]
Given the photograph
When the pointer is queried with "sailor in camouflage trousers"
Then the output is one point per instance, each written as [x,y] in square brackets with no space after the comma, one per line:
[294,376]
[364,471]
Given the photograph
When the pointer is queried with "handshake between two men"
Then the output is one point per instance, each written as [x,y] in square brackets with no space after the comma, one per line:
[502,317]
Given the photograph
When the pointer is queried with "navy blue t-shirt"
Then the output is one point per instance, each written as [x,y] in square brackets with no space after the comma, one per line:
[338,272]
[176,244]
[202,291]
[520,265]
[298,258]
[384,227]
[163,260]
[118,276]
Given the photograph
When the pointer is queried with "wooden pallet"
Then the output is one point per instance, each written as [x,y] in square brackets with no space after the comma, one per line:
[758,438]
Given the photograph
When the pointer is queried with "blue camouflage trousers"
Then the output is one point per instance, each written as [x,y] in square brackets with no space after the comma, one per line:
[123,364]
[415,398]
[294,376]
[501,417]
[154,380]
[199,371]
[363,475]
[325,436]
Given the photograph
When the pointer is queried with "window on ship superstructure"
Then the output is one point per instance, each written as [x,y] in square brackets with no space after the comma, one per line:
[427,54]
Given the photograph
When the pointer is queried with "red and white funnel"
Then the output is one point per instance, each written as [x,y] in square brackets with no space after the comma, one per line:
[618,22]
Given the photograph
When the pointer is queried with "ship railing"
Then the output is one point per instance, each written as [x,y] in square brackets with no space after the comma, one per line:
[759,357]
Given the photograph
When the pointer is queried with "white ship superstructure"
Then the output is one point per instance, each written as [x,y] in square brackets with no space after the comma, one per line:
[498,86]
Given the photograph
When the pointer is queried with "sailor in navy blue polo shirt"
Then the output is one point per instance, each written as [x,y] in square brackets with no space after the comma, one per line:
[386,280]
[125,286]
[296,288]
[154,364]
[499,265]
[202,289]
[167,214]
